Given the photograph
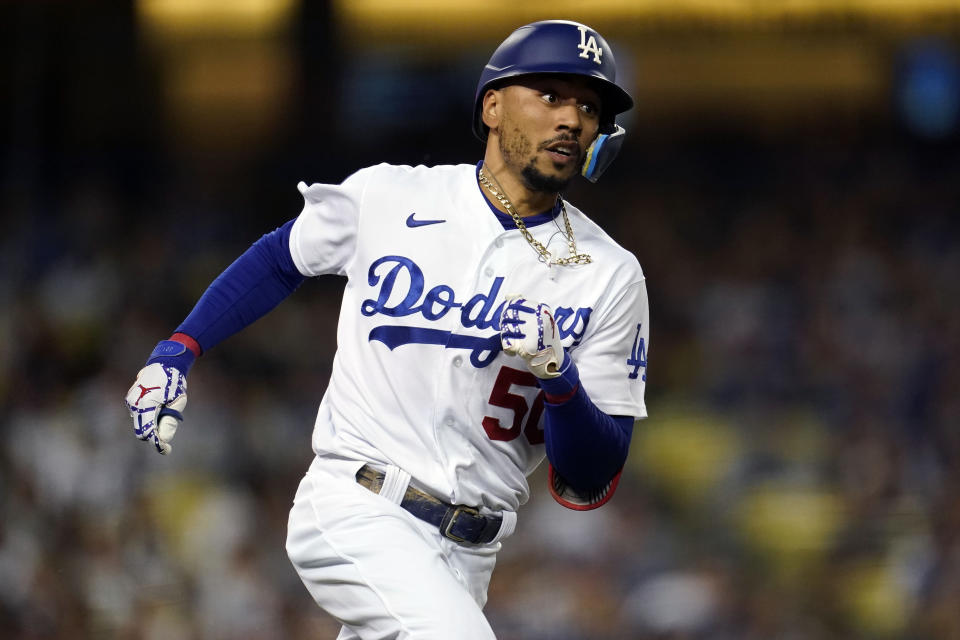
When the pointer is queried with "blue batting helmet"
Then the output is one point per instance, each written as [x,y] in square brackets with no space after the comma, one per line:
[557,47]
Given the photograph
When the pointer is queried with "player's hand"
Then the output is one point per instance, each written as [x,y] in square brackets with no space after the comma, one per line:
[155,402]
[528,330]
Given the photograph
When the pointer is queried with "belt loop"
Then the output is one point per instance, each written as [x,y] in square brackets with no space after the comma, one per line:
[395,483]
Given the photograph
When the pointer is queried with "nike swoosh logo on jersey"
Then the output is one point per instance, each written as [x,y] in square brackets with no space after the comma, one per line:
[413,223]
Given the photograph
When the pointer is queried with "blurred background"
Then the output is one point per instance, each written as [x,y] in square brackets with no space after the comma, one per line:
[790,185]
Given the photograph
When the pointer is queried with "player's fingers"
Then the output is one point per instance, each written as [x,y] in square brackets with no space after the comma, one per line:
[162,447]
[143,424]
[519,306]
[512,334]
[167,428]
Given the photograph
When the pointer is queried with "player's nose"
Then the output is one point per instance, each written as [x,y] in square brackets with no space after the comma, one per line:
[569,117]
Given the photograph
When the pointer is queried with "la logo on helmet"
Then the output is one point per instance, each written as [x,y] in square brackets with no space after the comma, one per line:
[588,45]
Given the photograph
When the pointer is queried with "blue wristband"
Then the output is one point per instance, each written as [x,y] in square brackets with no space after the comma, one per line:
[173,354]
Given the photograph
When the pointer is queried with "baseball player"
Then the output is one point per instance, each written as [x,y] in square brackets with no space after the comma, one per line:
[486,324]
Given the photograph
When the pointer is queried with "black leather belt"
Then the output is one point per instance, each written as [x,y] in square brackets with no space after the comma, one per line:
[462,524]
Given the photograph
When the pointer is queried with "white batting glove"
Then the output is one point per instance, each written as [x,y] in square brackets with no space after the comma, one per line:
[155,402]
[529,331]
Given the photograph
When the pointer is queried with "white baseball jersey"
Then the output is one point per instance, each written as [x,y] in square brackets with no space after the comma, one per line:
[419,380]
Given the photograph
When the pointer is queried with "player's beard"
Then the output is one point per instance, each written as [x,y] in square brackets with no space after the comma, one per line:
[516,146]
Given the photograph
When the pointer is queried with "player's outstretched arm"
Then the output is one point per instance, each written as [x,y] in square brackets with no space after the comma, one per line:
[586,447]
[247,290]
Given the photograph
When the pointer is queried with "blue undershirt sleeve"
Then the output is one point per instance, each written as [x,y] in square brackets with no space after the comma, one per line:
[586,446]
[247,290]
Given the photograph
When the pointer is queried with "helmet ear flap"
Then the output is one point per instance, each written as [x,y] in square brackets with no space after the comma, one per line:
[601,152]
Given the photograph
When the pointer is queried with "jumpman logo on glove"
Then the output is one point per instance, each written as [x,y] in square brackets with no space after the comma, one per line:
[144,391]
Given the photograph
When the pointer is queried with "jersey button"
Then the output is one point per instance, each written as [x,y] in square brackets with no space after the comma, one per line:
[499,243]
[488,272]
[458,361]
[449,421]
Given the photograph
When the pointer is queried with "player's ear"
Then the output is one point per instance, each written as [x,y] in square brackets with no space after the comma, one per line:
[492,106]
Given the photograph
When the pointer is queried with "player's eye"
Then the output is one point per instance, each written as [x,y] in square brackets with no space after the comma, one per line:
[589,108]
[550,97]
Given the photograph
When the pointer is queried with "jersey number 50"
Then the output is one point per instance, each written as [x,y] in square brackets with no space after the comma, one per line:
[502,397]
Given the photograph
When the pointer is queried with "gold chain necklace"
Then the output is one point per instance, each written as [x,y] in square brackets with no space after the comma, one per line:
[544,253]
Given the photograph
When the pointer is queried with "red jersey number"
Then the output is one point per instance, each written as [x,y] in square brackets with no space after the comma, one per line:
[502,397]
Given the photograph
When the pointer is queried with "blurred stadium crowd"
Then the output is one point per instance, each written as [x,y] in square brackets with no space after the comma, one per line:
[798,477]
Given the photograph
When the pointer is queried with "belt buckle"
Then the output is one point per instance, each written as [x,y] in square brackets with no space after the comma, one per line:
[457,510]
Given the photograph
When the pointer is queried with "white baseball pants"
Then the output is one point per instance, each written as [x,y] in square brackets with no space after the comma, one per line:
[380,571]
